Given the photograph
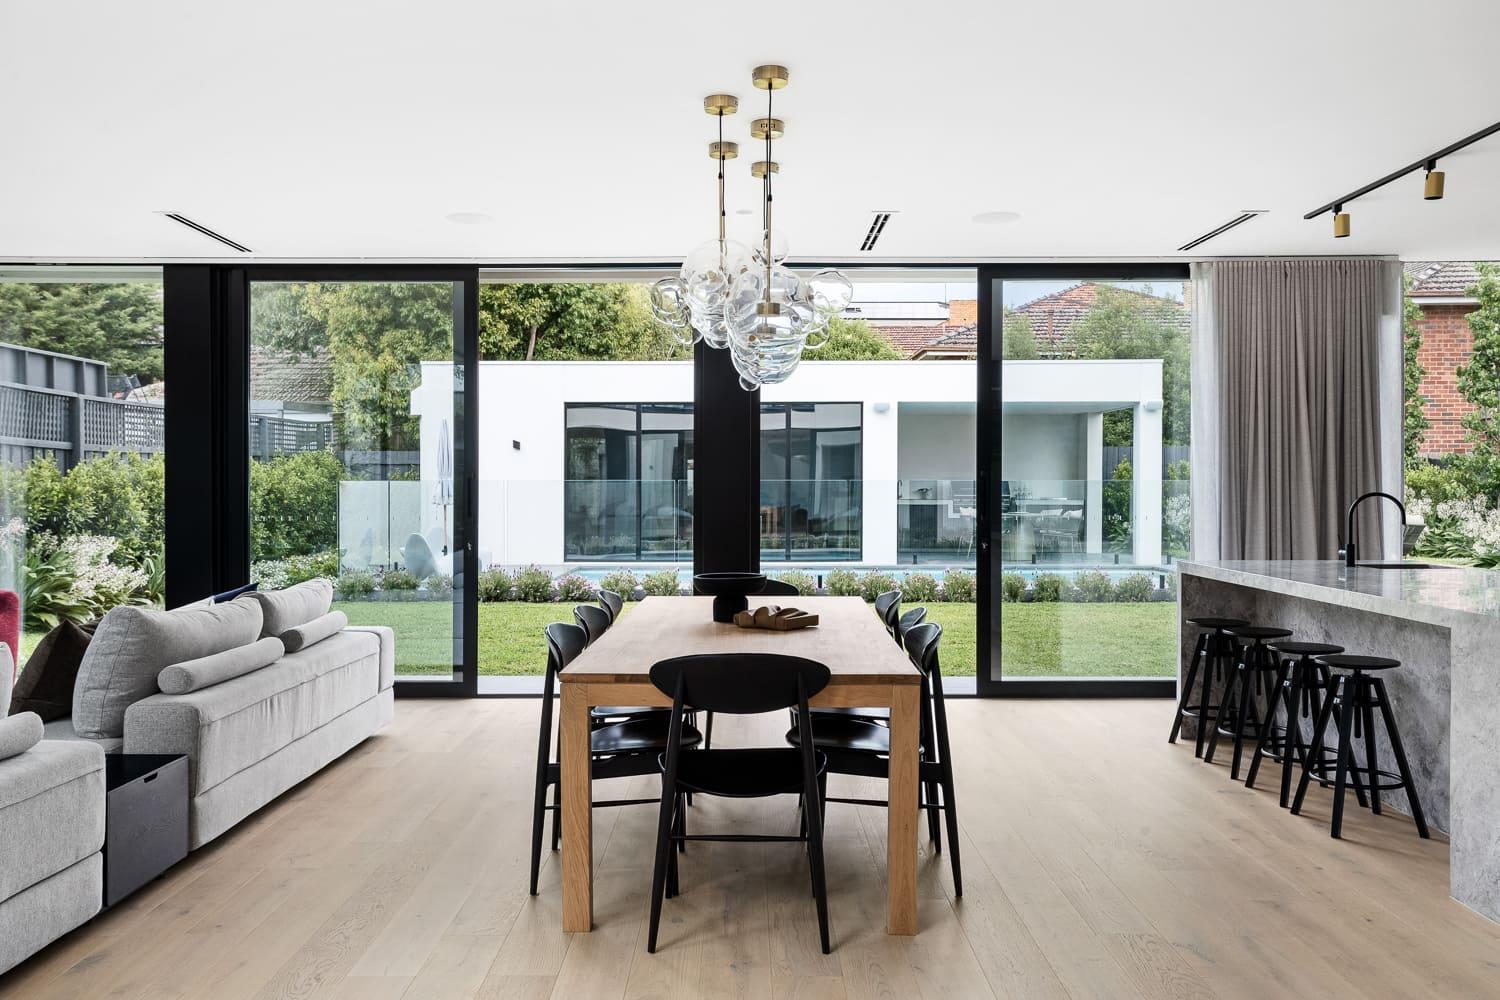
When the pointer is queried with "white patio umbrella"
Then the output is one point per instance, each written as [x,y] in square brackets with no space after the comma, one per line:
[442,494]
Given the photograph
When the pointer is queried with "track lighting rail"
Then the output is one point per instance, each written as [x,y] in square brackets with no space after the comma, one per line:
[1427,162]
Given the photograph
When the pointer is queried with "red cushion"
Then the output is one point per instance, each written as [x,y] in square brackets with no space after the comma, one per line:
[10,626]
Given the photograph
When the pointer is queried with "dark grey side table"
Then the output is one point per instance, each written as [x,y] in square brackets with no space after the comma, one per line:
[145,819]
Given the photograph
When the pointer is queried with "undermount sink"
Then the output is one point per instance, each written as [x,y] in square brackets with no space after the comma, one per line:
[1399,565]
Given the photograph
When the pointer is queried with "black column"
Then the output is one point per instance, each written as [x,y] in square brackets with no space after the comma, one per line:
[207,358]
[726,466]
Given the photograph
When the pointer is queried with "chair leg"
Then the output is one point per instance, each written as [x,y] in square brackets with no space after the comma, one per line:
[674,888]
[1294,749]
[1212,664]
[1347,736]
[1314,754]
[815,860]
[659,870]
[538,820]
[1369,713]
[1402,767]
[1187,687]
[1345,759]
[1227,700]
[708,730]
[1262,743]
[950,813]
[930,807]
[1247,695]
[556,815]
[682,823]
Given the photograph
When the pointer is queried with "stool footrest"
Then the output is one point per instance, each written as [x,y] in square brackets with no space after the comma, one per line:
[1391,781]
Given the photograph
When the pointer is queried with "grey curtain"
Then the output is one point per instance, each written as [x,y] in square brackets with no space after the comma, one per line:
[1299,437]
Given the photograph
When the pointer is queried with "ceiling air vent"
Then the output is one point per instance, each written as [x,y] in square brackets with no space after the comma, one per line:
[1238,220]
[184,220]
[877,226]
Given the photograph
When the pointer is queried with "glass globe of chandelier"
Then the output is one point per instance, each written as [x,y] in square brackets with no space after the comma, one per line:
[746,300]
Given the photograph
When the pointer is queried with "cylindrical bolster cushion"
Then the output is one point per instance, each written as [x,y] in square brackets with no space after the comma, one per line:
[206,671]
[19,733]
[314,631]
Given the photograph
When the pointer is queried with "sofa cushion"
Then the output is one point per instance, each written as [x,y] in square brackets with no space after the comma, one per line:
[51,811]
[230,595]
[19,733]
[227,727]
[190,675]
[313,632]
[387,637]
[132,645]
[46,685]
[286,609]
[62,729]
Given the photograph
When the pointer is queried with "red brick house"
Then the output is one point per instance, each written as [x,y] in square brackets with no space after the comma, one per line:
[1440,289]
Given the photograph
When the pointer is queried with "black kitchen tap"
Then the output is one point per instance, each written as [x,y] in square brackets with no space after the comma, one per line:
[1351,550]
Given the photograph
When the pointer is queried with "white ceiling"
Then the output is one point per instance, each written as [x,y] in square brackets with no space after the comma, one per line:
[1117,129]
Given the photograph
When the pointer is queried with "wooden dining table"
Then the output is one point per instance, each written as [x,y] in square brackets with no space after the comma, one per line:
[868,670]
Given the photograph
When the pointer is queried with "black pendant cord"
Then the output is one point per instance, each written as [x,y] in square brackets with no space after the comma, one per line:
[721,182]
[770,118]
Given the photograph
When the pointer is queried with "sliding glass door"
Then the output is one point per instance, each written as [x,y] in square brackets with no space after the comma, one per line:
[1084,439]
[357,438]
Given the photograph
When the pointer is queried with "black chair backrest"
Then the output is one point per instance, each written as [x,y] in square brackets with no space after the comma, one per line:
[909,621]
[922,645]
[595,620]
[776,588]
[612,603]
[888,607]
[739,683]
[564,643]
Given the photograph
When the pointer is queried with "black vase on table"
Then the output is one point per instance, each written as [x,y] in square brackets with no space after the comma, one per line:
[730,591]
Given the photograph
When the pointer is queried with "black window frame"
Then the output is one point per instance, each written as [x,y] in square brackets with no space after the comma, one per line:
[786,410]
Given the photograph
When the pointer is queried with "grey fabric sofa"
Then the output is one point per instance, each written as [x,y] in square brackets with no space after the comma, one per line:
[253,737]
[51,835]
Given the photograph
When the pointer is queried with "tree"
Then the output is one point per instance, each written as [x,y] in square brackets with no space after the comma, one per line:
[118,323]
[1479,380]
[571,322]
[1413,415]
[1125,324]
[1020,338]
[853,340]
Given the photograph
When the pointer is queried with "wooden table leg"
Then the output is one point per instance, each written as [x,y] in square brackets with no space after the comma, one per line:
[901,836]
[577,811]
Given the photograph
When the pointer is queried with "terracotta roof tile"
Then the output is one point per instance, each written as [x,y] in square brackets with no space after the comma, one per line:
[1440,278]
[291,378]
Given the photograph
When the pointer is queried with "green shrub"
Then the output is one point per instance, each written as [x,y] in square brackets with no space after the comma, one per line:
[119,496]
[804,582]
[918,588]
[1135,588]
[439,585]
[575,589]
[1437,483]
[398,579]
[274,574]
[959,587]
[621,581]
[1013,587]
[494,585]
[354,584]
[1047,587]
[533,584]
[662,583]
[294,503]
[872,585]
[1094,586]
[842,583]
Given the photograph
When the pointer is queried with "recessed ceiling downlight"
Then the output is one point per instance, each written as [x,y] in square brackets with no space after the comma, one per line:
[997,218]
[469,218]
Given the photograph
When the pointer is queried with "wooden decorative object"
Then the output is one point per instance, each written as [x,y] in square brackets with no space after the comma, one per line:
[775,618]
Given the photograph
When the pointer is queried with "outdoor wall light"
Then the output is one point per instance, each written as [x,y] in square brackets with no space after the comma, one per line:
[1152,406]
[881,407]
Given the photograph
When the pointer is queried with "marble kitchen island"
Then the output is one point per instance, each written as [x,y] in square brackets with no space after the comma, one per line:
[1443,624]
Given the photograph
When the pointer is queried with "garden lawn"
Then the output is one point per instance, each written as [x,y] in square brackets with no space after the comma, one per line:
[1038,640]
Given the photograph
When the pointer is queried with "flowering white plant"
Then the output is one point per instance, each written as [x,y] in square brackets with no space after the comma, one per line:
[1472,518]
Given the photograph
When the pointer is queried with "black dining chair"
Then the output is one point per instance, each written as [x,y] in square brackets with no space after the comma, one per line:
[778,588]
[612,603]
[888,608]
[594,621]
[738,684]
[863,748]
[624,749]
[908,621]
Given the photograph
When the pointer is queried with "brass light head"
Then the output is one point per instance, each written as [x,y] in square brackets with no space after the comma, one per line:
[762,167]
[1432,190]
[767,128]
[769,77]
[721,104]
[1340,224]
[723,150]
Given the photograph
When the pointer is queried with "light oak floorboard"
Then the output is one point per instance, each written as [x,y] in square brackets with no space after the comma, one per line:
[1098,862]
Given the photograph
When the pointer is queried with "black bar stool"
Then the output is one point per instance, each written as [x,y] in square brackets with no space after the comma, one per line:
[1355,697]
[1214,651]
[1298,691]
[1251,673]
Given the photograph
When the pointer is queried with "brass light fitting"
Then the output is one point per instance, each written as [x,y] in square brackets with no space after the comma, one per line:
[769,77]
[1432,187]
[721,104]
[767,128]
[723,150]
[762,167]
[1340,222]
